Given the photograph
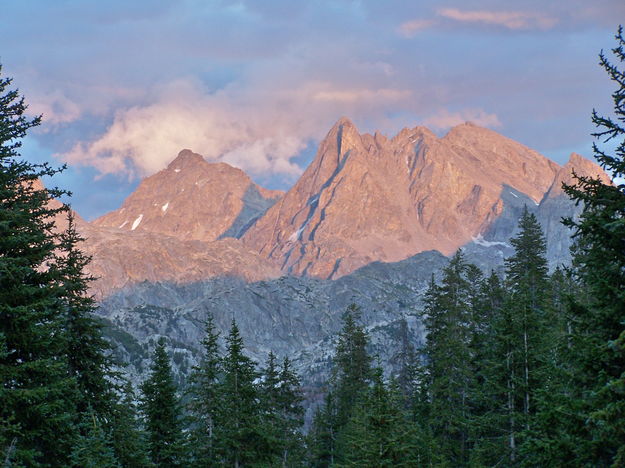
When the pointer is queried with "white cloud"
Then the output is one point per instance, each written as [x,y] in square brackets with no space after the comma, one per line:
[55,109]
[516,20]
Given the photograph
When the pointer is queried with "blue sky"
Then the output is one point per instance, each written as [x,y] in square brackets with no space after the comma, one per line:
[123,86]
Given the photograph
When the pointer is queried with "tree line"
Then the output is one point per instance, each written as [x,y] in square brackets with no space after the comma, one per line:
[523,369]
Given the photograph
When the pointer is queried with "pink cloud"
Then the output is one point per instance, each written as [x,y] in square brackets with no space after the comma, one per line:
[516,20]
[444,119]
[258,128]
[412,27]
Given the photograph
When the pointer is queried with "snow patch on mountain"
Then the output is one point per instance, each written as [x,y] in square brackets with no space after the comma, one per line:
[136,222]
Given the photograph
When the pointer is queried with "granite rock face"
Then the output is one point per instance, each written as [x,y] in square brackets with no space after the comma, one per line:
[192,200]
[369,198]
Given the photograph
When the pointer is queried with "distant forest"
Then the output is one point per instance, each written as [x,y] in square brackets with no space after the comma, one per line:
[524,369]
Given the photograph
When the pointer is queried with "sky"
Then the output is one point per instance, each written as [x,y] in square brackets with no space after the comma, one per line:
[124,86]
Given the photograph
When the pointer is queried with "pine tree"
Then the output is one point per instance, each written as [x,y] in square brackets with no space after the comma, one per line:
[37,395]
[204,397]
[86,350]
[291,415]
[408,375]
[489,426]
[161,411]
[353,365]
[519,347]
[241,440]
[94,448]
[128,439]
[448,318]
[270,411]
[379,433]
[322,438]
[599,330]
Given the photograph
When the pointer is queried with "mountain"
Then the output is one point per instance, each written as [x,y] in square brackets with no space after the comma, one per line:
[121,259]
[368,198]
[193,200]
[369,222]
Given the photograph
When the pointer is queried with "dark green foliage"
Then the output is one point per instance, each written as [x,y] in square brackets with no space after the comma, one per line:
[352,372]
[290,416]
[322,439]
[449,370]
[599,320]
[161,411]
[379,432]
[94,448]
[37,394]
[85,348]
[204,399]
[349,382]
[128,440]
[241,439]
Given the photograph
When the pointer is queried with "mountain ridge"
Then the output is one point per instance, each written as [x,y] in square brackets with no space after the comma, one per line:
[364,198]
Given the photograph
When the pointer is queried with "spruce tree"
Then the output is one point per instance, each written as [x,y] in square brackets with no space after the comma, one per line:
[86,350]
[379,432]
[599,330]
[291,415]
[161,411]
[128,438]
[37,409]
[448,317]
[352,373]
[204,400]
[94,448]
[241,440]
[322,438]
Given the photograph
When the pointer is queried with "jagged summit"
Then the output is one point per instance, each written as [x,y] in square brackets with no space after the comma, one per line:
[365,197]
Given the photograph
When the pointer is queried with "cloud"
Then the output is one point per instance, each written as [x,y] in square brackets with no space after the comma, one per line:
[258,130]
[516,20]
[444,119]
[412,27]
[55,107]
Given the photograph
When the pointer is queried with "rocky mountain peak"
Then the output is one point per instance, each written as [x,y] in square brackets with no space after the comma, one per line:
[192,200]
[580,166]
[186,158]
[366,197]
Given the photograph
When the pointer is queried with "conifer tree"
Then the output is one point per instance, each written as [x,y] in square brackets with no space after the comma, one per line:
[489,427]
[204,399]
[128,439]
[322,438]
[270,411]
[448,319]
[353,365]
[408,376]
[161,411]
[379,432]
[37,395]
[86,349]
[241,440]
[94,448]
[599,330]
[291,415]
